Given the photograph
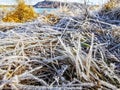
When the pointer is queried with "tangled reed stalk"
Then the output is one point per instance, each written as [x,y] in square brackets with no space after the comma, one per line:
[78,52]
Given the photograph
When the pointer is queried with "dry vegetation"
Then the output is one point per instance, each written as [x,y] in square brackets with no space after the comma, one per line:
[76,52]
[110,5]
[23,13]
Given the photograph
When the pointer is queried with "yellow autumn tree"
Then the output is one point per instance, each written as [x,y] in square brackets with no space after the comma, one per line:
[22,13]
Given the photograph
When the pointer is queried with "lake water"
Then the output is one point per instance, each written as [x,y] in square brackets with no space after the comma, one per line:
[41,10]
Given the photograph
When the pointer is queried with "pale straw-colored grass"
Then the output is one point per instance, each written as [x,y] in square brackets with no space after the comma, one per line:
[72,54]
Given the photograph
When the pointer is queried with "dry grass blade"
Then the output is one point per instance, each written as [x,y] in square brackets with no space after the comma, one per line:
[78,52]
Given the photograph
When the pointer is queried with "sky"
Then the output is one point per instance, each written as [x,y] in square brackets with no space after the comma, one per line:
[32,2]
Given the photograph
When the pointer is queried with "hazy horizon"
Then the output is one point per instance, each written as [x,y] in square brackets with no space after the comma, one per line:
[32,2]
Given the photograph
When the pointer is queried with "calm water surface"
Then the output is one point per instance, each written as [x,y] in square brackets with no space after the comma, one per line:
[41,10]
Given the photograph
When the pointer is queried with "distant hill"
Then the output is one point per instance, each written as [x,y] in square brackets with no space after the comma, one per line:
[55,4]
[48,4]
